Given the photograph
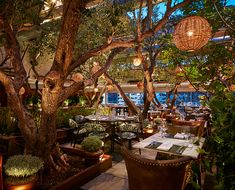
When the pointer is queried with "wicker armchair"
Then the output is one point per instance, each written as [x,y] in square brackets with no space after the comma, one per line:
[149,174]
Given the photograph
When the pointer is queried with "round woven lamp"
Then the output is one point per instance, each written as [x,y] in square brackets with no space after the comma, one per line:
[140,85]
[192,33]
[77,77]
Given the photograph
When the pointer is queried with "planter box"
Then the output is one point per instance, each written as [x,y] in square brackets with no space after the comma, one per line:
[86,175]
[78,179]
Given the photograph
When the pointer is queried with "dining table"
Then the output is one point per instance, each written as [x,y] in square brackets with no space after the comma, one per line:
[112,121]
[174,144]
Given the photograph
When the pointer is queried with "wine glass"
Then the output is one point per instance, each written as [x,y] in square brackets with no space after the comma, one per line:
[163,128]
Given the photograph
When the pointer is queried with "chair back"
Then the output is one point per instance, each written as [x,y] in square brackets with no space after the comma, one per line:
[149,174]
[194,127]
[73,123]
[1,179]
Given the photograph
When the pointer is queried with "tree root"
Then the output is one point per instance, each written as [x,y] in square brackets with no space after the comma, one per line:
[58,160]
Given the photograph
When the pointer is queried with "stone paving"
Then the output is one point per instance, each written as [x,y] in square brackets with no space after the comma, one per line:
[114,178]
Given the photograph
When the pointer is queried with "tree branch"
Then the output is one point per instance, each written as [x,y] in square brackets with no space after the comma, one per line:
[16,106]
[67,92]
[13,51]
[131,105]
[163,21]
[101,49]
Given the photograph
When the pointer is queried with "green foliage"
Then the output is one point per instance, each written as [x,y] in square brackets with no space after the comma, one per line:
[22,165]
[8,123]
[91,144]
[158,120]
[20,12]
[19,180]
[63,115]
[101,22]
[221,144]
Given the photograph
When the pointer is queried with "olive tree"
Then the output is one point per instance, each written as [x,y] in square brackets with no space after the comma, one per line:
[15,15]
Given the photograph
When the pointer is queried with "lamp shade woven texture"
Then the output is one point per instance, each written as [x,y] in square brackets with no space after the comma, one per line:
[191,33]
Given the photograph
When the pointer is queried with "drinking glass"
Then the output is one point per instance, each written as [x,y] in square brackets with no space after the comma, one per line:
[163,128]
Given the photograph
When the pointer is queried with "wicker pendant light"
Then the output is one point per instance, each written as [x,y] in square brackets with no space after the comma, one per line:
[77,77]
[191,33]
[137,61]
[140,85]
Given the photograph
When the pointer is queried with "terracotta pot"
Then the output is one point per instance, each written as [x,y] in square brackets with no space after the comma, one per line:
[26,186]
[92,158]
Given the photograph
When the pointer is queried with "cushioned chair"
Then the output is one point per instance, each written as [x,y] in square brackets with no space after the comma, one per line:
[193,127]
[96,129]
[129,132]
[77,137]
[146,174]
[80,119]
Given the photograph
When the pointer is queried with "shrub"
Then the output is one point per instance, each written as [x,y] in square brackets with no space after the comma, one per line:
[8,122]
[91,144]
[22,165]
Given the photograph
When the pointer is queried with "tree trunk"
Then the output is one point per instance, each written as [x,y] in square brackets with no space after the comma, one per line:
[131,106]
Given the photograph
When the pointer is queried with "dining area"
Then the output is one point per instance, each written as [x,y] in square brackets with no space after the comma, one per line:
[169,151]
[162,163]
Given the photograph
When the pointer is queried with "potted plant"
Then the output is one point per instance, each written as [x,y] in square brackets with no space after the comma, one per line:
[158,121]
[21,172]
[92,147]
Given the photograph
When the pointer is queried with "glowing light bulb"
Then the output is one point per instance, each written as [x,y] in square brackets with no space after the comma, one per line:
[137,61]
[190,33]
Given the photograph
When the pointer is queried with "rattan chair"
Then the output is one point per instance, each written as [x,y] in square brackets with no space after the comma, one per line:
[146,174]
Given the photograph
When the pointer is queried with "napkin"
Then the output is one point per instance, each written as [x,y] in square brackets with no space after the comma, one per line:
[179,136]
[165,146]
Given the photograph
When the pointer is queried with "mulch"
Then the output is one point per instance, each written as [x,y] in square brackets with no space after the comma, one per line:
[76,165]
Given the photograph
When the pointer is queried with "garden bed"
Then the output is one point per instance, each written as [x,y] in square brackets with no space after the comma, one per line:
[76,174]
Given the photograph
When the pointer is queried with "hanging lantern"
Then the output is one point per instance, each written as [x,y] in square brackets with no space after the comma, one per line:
[137,61]
[178,70]
[77,77]
[232,87]
[110,88]
[140,85]
[192,33]
[22,91]
[96,67]
[96,89]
